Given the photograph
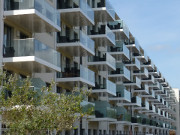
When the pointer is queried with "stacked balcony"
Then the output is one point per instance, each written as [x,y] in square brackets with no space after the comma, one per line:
[141,55]
[33,15]
[135,63]
[103,62]
[150,110]
[143,90]
[136,119]
[150,79]
[120,51]
[102,35]
[121,73]
[32,55]
[144,106]
[149,65]
[143,72]
[134,44]
[87,107]
[136,82]
[135,101]
[121,95]
[104,11]
[120,29]
[104,111]
[76,12]
[73,75]
[108,87]
[123,116]
[154,72]
[75,43]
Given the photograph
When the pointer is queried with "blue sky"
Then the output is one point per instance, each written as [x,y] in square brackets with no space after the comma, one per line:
[156,25]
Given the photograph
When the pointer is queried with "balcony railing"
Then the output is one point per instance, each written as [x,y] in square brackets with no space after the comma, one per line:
[135,62]
[80,37]
[83,72]
[121,92]
[121,69]
[88,107]
[119,24]
[123,114]
[104,110]
[40,5]
[106,57]
[103,30]
[120,47]
[32,47]
[136,100]
[133,42]
[145,104]
[109,86]
[152,108]
[82,4]
[109,8]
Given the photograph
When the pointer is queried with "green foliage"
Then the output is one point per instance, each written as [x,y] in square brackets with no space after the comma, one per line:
[26,110]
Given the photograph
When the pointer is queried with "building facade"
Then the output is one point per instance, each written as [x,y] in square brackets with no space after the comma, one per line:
[85,44]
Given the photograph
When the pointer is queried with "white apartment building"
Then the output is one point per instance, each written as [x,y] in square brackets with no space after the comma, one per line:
[84,43]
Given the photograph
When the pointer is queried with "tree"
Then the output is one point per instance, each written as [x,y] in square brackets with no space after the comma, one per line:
[26,110]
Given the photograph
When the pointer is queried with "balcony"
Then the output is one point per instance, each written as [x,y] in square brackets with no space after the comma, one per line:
[134,44]
[102,35]
[30,55]
[150,79]
[109,87]
[119,28]
[123,116]
[104,111]
[143,72]
[154,72]
[76,12]
[121,95]
[155,86]
[142,56]
[149,65]
[144,106]
[150,110]
[150,95]
[136,119]
[143,90]
[36,16]
[156,99]
[87,107]
[75,43]
[119,51]
[73,75]
[104,12]
[135,101]
[136,82]
[134,63]
[121,72]
[103,62]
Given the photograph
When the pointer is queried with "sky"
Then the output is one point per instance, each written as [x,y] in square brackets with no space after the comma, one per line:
[156,25]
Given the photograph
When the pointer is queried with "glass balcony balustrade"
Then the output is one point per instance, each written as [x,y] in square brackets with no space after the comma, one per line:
[121,70]
[123,93]
[119,24]
[32,47]
[109,86]
[40,5]
[72,71]
[105,57]
[104,110]
[119,48]
[99,30]
[135,42]
[134,62]
[74,4]
[88,107]
[75,36]
[137,100]
[123,114]
[109,8]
